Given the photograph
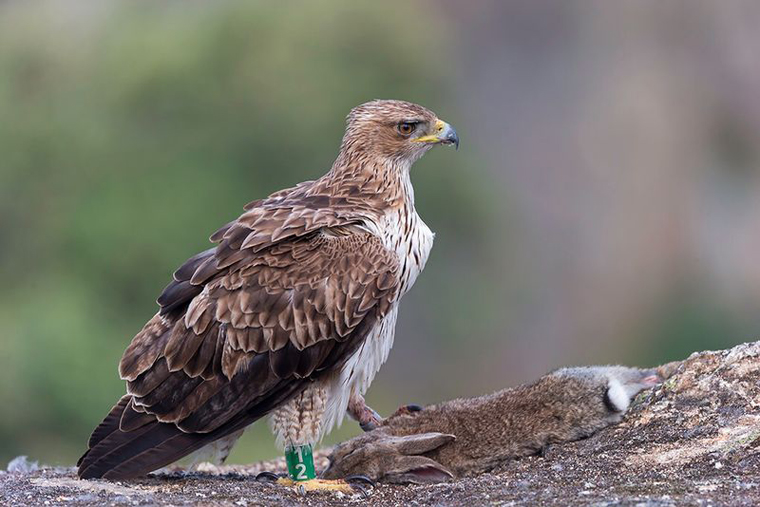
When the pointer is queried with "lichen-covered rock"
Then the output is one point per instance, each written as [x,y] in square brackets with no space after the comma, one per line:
[695,440]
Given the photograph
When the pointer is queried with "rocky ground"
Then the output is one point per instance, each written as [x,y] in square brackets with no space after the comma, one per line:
[695,440]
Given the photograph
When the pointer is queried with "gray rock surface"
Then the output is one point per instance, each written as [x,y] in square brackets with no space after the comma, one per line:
[695,440]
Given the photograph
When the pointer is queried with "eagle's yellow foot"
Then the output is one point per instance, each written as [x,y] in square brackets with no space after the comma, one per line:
[304,487]
[356,484]
[350,485]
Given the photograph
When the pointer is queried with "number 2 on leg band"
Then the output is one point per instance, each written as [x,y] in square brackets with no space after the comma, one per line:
[300,463]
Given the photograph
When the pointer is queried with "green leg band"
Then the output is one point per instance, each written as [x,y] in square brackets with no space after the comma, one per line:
[300,462]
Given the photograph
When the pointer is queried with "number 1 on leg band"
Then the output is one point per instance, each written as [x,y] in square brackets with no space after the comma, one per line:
[300,462]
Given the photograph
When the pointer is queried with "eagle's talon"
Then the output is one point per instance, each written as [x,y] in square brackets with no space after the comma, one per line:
[365,415]
[269,477]
[410,409]
[361,489]
[369,425]
[360,483]
[360,479]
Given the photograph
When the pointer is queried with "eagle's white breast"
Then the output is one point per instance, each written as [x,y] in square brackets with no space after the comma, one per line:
[404,232]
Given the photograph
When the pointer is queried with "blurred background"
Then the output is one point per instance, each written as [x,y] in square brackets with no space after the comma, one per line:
[604,206]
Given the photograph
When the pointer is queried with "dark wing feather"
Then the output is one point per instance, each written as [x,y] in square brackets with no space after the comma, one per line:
[287,294]
[110,423]
[119,455]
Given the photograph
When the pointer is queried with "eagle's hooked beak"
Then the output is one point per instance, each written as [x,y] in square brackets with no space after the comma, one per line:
[444,134]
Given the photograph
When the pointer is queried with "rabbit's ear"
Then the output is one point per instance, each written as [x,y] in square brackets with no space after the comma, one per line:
[416,470]
[419,443]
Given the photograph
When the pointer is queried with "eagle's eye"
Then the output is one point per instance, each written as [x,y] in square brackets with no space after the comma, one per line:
[405,128]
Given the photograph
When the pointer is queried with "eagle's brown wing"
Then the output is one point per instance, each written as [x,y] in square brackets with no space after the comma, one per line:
[284,297]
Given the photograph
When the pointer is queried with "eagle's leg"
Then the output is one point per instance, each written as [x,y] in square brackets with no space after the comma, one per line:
[210,457]
[359,411]
[297,425]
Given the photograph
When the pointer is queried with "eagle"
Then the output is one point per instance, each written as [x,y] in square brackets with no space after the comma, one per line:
[289,316]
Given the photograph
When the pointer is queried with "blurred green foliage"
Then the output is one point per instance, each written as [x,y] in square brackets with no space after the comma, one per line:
[132,130]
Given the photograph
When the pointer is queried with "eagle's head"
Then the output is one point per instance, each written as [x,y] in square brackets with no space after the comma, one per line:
[395,130]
